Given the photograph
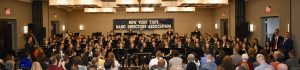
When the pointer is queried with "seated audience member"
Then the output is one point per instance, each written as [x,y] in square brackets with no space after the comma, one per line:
[203,59]
[10,62]
[53,64]
[220,67]
[209,65]
[160,65]
[236,57]
[36,65]
[293,60]
[25,62]
[241,68]
[111,63]
[262,63]
[282,66]
[191,65]
[176,61]
[277,59]
[2,64]
[245,61]
[227,63]
[251,53]
[154,61]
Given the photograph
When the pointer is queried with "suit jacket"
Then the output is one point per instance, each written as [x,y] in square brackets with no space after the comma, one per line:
[287,45]
[280,39]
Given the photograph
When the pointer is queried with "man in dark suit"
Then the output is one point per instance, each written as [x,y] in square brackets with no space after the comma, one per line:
[287,44]
[276,40]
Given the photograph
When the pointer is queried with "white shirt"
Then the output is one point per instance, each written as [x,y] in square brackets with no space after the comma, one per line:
[154,61]
[116,66]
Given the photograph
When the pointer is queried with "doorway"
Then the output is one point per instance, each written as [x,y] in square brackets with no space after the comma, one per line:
[54,27]
[224,27]
[7,36]
[268,26]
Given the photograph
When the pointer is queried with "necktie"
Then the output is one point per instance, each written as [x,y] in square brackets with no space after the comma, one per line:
[276,40]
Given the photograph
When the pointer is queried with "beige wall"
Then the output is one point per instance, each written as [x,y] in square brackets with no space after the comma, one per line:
[21,11]
[183,22]
[255,9]
[229,14]
[295,25]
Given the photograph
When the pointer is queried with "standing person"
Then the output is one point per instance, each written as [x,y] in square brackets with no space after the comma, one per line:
[287,44]
[276,40]
[29,45]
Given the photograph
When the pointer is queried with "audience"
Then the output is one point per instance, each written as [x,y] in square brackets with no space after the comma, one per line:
[227,63]
[10,62]
[75,51]
[236,57]
[53,64]
[176,61]
[155,60]
[282,66]
[262,63]
[293,61]
[209,65]
[245,62]
[191,65]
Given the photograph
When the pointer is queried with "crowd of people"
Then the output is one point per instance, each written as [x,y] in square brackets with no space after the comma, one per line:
[166,52]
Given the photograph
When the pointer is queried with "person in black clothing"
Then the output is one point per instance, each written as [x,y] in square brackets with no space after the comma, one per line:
[276,40]
[29,46]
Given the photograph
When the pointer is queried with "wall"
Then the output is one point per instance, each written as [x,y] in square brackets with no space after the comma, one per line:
[61,16]
[229,14]
[21,11]
[295,25]
[255,9]
[183,22]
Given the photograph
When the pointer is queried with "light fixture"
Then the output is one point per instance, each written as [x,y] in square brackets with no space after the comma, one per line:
[108,10]
[127,3]
[172,9]
[187,9]
[180,9]
[100,10]
[215,1]
[199,26]
[288,27]
[80,27]
[251,26]
[86,2]
[133,9]
[186,2]
[63,27]
[25,28]
[147,9]
[216,26]
[151,3]
[61,2]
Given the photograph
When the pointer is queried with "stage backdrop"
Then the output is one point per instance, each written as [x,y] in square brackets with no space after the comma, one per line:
[147,24]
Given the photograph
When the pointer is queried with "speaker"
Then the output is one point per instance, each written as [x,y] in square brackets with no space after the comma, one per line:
[30,27]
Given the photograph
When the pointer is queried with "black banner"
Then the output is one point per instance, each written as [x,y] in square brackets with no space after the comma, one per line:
[147,24]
